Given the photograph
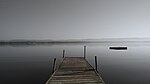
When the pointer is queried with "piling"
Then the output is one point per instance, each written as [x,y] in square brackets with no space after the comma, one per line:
[96,63]
[54,65]
[63,53]
[84,52]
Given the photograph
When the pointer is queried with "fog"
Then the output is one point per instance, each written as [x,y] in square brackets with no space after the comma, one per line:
[74,19]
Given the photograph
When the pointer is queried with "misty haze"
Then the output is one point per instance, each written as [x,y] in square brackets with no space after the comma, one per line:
[74,41]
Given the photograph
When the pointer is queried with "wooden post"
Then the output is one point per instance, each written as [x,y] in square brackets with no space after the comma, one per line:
[63,53]
[54,65]
[84,52]
[96,63]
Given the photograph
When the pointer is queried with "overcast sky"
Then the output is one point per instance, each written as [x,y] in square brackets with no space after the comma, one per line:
[74,19]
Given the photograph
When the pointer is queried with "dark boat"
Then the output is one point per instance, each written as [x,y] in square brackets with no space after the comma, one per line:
[118,47]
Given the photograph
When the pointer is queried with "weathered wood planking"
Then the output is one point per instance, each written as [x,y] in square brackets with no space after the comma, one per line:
[75,70]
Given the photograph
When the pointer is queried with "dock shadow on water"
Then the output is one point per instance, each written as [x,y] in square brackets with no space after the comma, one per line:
[33,64]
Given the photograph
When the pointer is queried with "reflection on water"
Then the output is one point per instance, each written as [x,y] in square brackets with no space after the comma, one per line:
[33,64]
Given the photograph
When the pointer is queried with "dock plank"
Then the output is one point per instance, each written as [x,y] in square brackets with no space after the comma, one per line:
[75,70]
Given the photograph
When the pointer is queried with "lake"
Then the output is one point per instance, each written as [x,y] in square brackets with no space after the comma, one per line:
[33,64]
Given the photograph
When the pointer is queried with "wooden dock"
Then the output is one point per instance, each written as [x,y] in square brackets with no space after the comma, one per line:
[75,70]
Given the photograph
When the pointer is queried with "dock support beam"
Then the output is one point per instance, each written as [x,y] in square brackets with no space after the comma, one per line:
[84,52]
[63,53]
[96,63]
[54,65]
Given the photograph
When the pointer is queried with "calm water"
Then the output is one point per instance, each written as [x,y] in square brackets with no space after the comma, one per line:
[33,64]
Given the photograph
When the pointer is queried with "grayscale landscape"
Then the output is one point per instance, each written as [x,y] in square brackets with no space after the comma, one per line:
[113,37]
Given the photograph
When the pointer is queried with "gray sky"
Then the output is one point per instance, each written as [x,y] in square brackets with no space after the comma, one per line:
[74,19]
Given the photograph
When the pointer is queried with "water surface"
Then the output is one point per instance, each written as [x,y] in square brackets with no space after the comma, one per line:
[33,64]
